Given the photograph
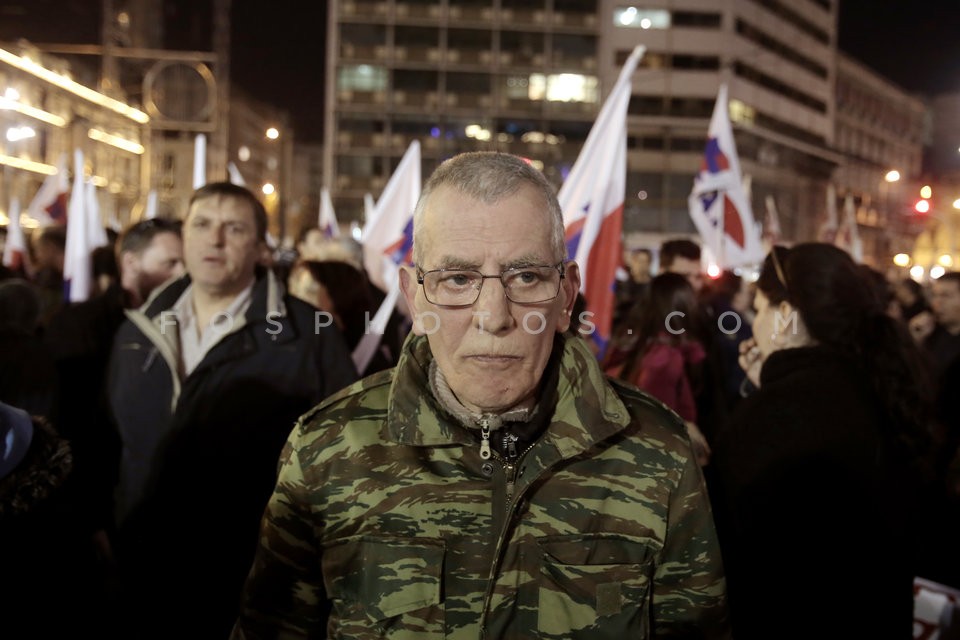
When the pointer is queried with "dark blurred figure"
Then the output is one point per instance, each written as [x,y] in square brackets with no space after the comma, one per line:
[46,555]
[938,330]
[824,469]
[727,305]
[49,247]
[105,271]
[341,290]
[28,377]
[682,256]
[634,288]
[938,333]
[910,296]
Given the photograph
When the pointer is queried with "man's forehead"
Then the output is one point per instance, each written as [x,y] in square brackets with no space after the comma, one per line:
[222,206]
[453,261]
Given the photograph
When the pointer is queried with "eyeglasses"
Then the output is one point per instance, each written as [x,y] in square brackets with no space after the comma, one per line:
[461,287]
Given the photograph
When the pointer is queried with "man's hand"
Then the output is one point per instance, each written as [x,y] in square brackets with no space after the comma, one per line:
[751,360]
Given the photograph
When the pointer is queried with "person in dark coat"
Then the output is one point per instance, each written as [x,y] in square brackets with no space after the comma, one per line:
[821,471]
[206,381]
[28,377]
[80,337]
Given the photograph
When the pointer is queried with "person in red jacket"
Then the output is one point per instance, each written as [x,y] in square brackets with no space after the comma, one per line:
[666,357]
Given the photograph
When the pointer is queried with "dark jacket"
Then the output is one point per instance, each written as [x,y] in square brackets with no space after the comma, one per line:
[816,509]
[80,336]
[200,454]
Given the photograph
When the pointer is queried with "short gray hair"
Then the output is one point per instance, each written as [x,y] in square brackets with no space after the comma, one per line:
[489,176]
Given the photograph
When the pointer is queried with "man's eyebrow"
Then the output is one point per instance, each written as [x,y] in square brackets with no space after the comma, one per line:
[452,262]
[528,260]
[520,262]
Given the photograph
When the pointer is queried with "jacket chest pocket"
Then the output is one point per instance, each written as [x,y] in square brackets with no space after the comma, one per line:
[385,587]
[594,587]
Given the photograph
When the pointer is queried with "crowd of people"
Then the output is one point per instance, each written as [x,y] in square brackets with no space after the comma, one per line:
[769,459]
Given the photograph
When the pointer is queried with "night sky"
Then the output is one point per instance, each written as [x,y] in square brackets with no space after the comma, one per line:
[278,47]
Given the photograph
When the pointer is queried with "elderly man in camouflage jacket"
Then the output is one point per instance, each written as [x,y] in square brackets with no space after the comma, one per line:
[494,484]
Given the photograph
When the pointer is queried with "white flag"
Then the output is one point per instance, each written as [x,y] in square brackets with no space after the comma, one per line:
[848,234]
[388,233]
[15,250]
[235,176]
[387,244]
[82,237]
[150,212]
[718,205]
[199,161]
[327,222]
[828,230]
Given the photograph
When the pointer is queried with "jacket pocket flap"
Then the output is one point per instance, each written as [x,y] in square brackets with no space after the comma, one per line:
[601,549]
[385,576]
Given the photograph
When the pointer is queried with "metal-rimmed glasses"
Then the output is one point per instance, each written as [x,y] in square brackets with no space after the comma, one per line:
[461,287]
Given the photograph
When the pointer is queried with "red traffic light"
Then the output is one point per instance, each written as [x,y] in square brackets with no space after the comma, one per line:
[922,206]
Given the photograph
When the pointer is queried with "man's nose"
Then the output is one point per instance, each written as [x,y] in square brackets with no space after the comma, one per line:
[492,308]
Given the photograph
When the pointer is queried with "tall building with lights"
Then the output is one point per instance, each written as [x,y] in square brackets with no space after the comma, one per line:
[528,76]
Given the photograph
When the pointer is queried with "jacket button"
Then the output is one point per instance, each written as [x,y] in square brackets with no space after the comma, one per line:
[487,469]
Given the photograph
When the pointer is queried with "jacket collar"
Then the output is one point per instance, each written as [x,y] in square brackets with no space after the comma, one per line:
[267,298]
[587,409]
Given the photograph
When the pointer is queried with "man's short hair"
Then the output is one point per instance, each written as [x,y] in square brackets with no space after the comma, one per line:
[678,248]
[489,176]
[950,276]
[138,236]
[230,190]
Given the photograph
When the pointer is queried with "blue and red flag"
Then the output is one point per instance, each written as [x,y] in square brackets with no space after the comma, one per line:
[327,222]
[719,205]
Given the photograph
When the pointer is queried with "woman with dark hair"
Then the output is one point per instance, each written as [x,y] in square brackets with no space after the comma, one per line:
[821,469]
[341,290]
[666,357]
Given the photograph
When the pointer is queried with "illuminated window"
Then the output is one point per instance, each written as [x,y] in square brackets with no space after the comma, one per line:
[741,113]
[563,87]
[641,18]
[362,77]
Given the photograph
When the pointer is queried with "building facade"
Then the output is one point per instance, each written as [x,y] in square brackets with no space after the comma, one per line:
[528,76]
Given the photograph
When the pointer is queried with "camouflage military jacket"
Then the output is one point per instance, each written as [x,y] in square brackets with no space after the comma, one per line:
[386,523]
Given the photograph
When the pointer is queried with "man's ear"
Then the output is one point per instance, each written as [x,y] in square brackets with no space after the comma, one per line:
[128,263]
[569,287]
[408,287]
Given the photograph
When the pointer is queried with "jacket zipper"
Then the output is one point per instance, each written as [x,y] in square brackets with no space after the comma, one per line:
[510,473]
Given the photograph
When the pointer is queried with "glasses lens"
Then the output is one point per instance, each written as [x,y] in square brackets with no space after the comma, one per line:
[452,288]
[531,284]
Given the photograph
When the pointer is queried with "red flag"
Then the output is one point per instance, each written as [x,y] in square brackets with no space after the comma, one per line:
[592,198]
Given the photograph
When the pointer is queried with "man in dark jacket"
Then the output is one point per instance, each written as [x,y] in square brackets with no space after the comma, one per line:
[206,381]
